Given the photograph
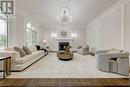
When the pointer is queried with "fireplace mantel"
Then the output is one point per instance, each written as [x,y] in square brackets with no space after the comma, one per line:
[70,39]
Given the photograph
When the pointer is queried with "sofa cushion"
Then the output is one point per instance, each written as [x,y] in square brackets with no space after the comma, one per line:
[29,57]
[21,51]
[27,50]
[9,49]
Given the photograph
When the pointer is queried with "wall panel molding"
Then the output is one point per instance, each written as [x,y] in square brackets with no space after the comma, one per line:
[123,26]
[119,5]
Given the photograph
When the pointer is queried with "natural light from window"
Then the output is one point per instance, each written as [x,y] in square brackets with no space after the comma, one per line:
[31,35]
[3,33]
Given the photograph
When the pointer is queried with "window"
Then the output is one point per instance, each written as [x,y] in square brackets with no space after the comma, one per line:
[3,33]
[31,34]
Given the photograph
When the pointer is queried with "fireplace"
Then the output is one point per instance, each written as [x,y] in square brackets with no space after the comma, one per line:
[62,45]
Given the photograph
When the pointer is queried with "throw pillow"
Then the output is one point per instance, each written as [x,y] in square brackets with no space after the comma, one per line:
[21,51]
[27,50]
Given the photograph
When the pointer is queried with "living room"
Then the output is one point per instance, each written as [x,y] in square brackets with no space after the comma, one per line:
[65,39]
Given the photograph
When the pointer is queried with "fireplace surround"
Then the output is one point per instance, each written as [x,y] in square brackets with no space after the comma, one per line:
[62,45]
[61,40]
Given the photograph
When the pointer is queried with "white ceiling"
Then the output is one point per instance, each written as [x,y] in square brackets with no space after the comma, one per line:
[82,11]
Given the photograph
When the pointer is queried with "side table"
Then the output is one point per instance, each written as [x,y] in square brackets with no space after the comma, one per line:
[6,66]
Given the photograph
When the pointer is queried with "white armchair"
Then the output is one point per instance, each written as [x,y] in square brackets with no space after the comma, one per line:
[120,62]
[84,50]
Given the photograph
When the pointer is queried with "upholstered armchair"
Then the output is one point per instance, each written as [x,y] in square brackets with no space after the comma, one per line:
[116,61]
[84,50]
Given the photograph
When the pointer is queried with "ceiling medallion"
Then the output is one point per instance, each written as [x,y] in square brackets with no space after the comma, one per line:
[64,17]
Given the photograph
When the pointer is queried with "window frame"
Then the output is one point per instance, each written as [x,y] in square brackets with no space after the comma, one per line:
[33,30]
[6,20]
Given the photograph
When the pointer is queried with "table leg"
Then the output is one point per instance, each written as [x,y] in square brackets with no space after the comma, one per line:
[8,66]
[4,69]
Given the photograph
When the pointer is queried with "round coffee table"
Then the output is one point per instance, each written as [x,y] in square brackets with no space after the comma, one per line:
[65,56]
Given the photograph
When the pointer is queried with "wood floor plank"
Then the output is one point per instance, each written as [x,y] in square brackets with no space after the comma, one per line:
[79,82]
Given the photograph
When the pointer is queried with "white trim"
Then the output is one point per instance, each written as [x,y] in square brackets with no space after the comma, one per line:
[110,10]
[98,27]
[119,5]
[64,39]
[122,26]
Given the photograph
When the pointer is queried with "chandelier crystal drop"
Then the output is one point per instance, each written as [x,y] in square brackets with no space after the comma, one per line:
[64,17]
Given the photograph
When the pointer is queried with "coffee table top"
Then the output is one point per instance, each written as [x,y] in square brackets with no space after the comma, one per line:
[64,55]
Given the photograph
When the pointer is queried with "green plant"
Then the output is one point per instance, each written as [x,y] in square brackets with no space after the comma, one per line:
[2,40]
[67,47]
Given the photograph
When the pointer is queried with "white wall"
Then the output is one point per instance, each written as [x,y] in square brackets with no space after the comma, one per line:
[92,35]
[127,26]
[106,31]
[112,28]
[110,31]
[52,42]
[17,31]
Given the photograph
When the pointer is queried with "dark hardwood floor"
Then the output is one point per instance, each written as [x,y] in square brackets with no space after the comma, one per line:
[65,82]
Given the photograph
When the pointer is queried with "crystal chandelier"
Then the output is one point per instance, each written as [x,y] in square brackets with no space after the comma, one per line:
[64,17]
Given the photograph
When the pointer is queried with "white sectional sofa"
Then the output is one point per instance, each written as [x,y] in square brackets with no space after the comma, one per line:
[19,63]
[116,61]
